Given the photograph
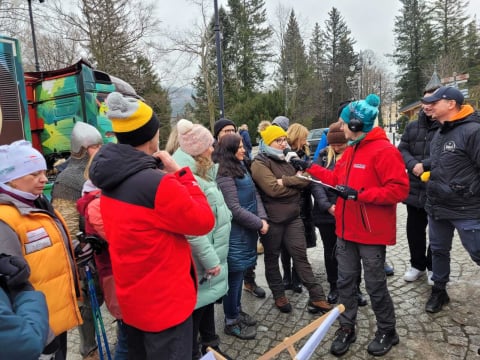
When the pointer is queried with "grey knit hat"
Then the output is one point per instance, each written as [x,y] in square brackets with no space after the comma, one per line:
[282,121]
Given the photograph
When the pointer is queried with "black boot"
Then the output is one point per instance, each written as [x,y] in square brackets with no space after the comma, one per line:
[438,298]
[383,342]
[343,338]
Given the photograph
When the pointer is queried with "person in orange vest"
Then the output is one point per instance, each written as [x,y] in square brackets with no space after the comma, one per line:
[33,229]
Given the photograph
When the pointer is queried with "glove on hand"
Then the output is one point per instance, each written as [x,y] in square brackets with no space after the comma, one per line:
[346,192]
[83,253]
[299,164]
[14,270]
[97,243]
[14,274]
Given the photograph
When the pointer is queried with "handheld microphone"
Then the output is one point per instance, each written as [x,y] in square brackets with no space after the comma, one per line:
[289,154]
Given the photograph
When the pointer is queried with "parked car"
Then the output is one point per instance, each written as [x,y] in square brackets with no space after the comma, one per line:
[314,137]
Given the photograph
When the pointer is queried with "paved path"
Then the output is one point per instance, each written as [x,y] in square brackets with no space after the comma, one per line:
[453,333]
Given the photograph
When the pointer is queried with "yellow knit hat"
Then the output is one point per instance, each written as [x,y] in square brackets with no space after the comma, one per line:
[271,133]
[133,121]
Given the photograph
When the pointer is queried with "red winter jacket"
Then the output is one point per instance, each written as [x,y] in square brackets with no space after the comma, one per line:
[375,168]
[146,213]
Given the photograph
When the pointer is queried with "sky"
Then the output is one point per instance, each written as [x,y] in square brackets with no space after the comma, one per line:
[371,22]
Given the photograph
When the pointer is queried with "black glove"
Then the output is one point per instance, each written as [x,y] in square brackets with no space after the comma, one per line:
[97,243]
[14,274]
[299,164]
[346,192]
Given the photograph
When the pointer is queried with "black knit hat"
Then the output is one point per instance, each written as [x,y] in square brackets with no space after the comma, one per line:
[220,124]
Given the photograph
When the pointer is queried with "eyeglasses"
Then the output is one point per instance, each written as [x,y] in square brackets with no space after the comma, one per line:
[281,140]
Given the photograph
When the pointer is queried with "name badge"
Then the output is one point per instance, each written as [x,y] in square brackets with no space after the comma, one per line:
[37,239]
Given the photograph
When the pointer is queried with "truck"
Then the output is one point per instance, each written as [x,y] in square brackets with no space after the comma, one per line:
[42,107]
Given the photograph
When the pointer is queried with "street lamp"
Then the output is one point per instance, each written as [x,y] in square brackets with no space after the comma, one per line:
[34,40]
[219,60]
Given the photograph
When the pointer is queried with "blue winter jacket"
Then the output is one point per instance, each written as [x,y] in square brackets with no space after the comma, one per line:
[23,325]
[247,209]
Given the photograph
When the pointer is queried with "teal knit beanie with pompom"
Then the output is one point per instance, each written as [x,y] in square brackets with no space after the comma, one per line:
[364,110]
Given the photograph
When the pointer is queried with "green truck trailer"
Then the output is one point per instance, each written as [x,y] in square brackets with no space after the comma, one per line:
[42,107]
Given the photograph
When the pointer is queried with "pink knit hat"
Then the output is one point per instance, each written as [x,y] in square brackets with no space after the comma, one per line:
[194,139]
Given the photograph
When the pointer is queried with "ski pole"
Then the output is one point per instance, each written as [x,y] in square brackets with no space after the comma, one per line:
[97,315]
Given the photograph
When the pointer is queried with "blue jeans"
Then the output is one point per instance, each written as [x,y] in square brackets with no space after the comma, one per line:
[121,349]
[441,236]
[231,301]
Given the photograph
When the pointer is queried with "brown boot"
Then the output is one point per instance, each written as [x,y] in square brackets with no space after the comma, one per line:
[283,304]
[319,306]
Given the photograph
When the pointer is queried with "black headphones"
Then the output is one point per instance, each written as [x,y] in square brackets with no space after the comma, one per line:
[354,124]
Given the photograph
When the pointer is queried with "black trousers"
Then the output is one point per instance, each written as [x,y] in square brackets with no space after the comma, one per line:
[174,343]
[350,257]
[204,324]
[329,239]
[420,253]
[291,236]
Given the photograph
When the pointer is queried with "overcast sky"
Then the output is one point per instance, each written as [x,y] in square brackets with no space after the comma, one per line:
[371,22]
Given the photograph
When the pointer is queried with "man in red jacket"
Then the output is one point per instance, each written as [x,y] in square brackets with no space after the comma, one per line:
[370,180]
[146,212]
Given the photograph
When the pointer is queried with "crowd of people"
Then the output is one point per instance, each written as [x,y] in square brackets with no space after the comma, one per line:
[167,234]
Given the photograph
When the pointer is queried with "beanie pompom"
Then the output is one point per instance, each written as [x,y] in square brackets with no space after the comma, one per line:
[372,100]
[184,126]
[133,121]
[194,139]
[117,102]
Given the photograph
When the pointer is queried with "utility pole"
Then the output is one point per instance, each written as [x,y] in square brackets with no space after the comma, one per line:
[34,39]
[219,60]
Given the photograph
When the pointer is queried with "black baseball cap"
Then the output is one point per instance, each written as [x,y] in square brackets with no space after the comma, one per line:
[446,93]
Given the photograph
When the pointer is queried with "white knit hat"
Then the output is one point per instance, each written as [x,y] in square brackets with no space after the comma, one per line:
[19,159]
[194,139]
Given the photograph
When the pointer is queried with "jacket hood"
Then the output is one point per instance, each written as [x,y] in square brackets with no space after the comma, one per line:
[183,159]
[465,115]
[83,202]
[377,133]
[464,112]
[114,163]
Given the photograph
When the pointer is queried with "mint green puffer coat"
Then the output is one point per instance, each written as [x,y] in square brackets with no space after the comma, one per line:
[211,249]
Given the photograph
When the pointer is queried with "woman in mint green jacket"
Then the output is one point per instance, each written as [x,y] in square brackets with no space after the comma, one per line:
[209,251]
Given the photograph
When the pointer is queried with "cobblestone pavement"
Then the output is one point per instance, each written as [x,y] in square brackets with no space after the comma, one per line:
[453,333]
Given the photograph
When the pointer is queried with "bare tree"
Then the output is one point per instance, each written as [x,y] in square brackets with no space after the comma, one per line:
[194,46]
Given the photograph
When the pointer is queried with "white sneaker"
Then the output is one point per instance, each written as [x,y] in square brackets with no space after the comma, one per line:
[429,277]
[412,274]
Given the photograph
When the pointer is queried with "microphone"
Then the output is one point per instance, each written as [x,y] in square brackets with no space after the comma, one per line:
[289,154]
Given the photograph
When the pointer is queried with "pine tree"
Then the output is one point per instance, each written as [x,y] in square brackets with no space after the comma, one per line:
[340,57]
[294,67]
[248,47]
[410,28]
[450,20]
[317,65]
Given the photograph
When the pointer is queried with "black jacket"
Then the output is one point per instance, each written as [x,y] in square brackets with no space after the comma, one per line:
[453,191]
[324,198]
[415,148]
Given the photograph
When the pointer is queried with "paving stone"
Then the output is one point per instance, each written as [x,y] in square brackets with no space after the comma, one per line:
[453,333]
